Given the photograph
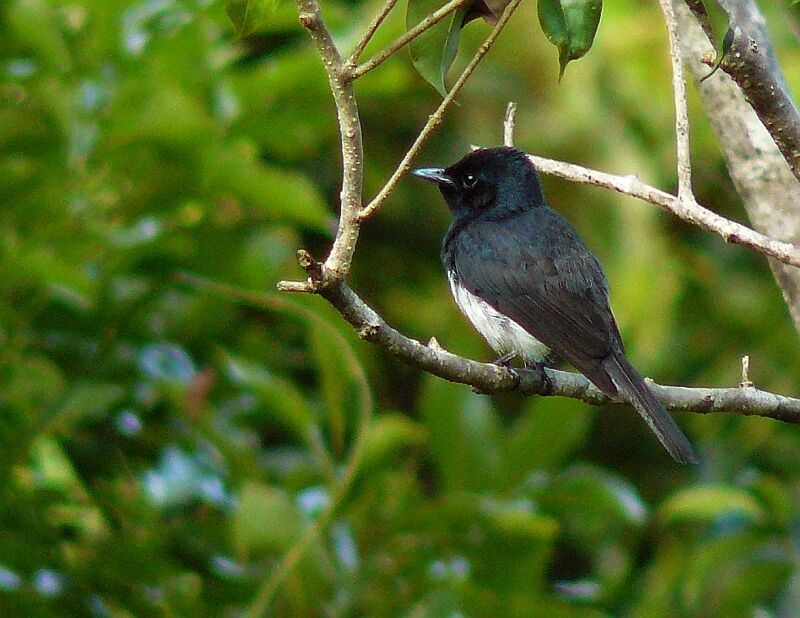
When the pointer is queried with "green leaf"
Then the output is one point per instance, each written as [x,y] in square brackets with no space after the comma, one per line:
[387,436]
[282,194]
[265,519]
[709,503]
[84,401]
[548,431]
[283,402]
[334,383]
[594,504]
[35,24]
[570,25]
[248,16]
[731,574]
[464,435]
[518,521]
[433,52]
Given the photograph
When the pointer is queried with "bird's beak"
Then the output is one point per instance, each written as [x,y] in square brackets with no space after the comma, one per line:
[436,175]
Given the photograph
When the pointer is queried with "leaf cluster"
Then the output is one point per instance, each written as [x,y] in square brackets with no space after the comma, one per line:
[169,445]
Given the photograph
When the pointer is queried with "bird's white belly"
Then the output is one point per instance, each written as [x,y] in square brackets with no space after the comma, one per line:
[501,332]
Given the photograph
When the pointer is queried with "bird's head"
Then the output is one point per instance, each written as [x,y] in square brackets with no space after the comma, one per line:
[498,179]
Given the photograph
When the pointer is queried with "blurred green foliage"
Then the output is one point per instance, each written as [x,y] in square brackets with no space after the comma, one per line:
[170,445]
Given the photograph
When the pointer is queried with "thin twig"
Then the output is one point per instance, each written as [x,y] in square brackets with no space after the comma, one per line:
[508,124]
[752,64]
[403,40]
[687,209]
[435,119]
[337,264]
[370,31]
[681,113]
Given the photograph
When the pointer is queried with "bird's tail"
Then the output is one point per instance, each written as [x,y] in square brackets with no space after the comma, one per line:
[633,386]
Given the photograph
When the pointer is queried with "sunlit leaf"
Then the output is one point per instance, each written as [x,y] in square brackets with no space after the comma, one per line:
[709,503]
[265,519]
[248,15]
[389,435]
[520,521]
[570,25]
[433,52]
[285,195]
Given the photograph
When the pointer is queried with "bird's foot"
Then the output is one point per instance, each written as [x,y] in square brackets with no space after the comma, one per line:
[538,369]
[502,361]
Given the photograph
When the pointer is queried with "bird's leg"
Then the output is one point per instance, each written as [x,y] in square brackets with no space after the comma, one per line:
[504,360]
[538,368]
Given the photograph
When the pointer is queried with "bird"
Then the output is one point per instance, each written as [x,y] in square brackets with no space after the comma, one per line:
[521,274]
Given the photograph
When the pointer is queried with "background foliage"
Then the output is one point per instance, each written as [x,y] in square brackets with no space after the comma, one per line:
[164,443]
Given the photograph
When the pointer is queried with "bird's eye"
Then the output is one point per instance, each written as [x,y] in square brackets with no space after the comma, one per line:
[469,181]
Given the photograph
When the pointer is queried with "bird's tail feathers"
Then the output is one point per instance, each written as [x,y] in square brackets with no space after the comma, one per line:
[633,386]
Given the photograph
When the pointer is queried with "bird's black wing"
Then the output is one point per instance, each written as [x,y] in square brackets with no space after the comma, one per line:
[534,269]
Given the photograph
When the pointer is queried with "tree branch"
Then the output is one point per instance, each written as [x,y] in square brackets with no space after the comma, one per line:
[337,264]
[751,64]
[769,191]
[508,124]
[370,31]
[328,279]
[435,119]
[491,378]
[687,209]
[403,40]
[681,114]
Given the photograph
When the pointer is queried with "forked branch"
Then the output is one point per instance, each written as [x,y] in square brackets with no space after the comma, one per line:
[327,279]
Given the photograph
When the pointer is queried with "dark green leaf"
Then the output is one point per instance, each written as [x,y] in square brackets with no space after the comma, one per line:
[731,574]
[595,504]
[248,15]
[463,432]
[282,401]
[435,49]
[334,383]
[570,25]
[545,435]
[283,194]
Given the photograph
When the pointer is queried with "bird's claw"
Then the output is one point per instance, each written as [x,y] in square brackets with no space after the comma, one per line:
[538,369]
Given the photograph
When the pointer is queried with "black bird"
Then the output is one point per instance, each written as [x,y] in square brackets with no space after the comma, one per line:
[519,272]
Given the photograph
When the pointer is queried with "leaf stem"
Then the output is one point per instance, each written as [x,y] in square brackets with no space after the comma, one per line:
[403,40]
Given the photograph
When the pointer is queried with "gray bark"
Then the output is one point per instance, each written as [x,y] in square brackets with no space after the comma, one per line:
[769,190]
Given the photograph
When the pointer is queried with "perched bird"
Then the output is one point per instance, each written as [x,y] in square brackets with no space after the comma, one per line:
[519,272]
